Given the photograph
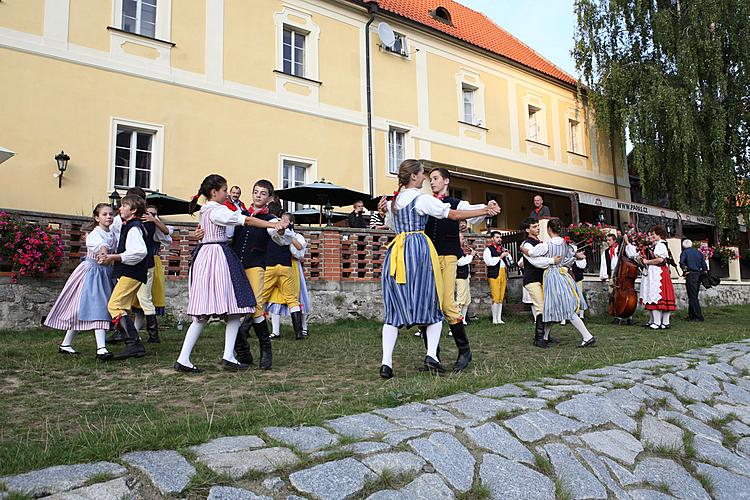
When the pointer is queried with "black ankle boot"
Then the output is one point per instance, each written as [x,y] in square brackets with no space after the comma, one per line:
[266,354]
[152,327]
[133,345]
[539,333]
[241,345]
[462,343]
[117,336]
[297,324]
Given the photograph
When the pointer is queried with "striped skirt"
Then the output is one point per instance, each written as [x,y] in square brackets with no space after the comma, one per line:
[82,304]
[218,284]
[276,304]
[561,300]
[415,302]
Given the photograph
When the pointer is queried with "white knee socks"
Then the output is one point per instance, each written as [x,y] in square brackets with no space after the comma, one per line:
[191,337]
[100,336]
[304,322]
[67,343]
[433,339]
[657,318]
[138,320]
[547,328]
[665,317]
[390,335]
[500,313]
[494,313]
[276,324]
[578,324]
[464,310]
[230,336]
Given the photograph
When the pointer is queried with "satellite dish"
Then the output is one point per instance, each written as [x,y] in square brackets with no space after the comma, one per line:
[386,35]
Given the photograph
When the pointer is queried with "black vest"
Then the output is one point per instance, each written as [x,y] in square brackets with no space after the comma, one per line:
[134,271]
[151,245]
[278,254]
[444,232]
[531,274]
[493,271]
[608,261]
[462,272]
[251,243]
[577,272]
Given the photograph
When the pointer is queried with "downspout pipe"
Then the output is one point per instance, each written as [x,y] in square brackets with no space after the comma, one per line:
[372,9]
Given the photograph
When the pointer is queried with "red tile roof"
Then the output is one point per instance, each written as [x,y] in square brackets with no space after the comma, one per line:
[475,28]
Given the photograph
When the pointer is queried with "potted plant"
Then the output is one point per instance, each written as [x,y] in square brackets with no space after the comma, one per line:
[28,249]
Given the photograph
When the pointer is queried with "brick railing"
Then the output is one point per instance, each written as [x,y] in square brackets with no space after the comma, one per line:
[333,254]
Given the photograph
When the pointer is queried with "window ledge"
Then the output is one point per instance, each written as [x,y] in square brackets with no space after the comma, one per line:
[307,80]
[582,155]
[537,142]
[141,37]
[473,125]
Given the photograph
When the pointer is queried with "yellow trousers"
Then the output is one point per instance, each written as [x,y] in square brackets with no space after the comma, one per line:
[497,286]
[463,292]
[123,295]
[536,294]
[448,270]
[255,276]
[277,296]
[281,278]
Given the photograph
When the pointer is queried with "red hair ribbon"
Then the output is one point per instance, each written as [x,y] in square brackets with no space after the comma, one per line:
[196,196]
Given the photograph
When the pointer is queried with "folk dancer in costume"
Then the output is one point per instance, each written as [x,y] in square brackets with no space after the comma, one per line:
[609,261]
[218,286]
[146,306]
[82,304]
[657,292]
[131,271]
[561,299]
[412,280]
[533,274]
[444,234]
[463,278]
[251,244]
[497,260]
[576,270]
[287,247]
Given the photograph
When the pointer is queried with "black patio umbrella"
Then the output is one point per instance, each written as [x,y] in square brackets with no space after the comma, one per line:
[169,205]
[313,216]
[322,193]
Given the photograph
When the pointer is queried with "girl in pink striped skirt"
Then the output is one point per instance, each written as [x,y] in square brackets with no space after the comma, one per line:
[82,304]
[218,284]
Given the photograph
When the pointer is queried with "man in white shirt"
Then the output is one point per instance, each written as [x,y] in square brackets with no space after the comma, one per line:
[609,261]
[495,257]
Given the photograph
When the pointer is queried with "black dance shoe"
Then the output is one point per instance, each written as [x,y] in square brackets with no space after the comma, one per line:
[104,356]
[433,365]
[63,351]
[552,340]
[541,343]
[590,342]
[233,367]
[186,369]
[386,372]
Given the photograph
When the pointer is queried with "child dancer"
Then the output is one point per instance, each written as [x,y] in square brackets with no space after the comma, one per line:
[577,269]
[495,257]
[412,284]
[218,286]
[82,304]
[657,292]
[463,277]
[276,305]
[130,269]
[561,300]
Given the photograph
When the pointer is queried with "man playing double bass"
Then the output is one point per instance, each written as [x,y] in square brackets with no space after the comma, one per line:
[610,259]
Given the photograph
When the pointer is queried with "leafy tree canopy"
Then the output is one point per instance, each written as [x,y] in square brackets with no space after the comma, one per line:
[675,75]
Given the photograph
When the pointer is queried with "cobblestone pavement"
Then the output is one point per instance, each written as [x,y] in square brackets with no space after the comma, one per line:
[670,427]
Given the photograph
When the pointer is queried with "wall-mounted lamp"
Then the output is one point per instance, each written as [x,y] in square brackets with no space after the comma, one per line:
[601,217]
[62,164]
[114,200]
[328,209]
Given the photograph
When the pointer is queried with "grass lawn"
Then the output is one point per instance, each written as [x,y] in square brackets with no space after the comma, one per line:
[57,409]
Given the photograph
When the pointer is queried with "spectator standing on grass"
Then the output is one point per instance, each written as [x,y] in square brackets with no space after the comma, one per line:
[694,265]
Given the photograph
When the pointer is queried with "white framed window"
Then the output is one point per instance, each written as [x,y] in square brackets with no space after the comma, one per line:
[399,46]
[137,154]
[294,52]
[536,124]
[469,94]
[293,173]
[139,16]
[575,137]
[396,149]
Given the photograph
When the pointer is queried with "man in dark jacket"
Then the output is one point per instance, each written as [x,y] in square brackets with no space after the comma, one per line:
[694,265]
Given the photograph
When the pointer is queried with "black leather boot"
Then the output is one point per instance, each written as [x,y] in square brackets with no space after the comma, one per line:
[152,327]
[462,343]
[116,336]
[297,324]
[241,345]
[266,354]
[133,345]
[539,333]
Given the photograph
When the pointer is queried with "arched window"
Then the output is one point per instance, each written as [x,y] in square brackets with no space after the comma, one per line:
[442,15]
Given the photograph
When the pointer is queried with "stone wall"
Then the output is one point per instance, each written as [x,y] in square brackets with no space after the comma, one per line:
[23,305]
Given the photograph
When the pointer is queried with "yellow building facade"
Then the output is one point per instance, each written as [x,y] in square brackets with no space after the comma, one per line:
[160,93]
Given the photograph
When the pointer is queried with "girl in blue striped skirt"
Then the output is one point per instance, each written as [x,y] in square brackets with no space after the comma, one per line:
[411,279]
[561,298]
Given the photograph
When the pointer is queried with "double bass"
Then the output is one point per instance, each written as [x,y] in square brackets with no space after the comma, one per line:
[623,300]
